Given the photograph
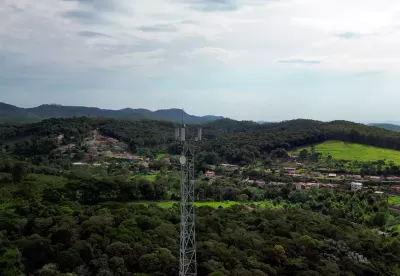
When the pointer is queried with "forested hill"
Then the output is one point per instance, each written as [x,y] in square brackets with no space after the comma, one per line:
[224,140]
[388,126]
[11,113]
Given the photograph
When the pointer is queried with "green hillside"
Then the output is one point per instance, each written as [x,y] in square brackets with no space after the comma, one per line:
[353,151]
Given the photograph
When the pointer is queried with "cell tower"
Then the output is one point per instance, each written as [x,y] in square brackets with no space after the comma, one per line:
[187,142]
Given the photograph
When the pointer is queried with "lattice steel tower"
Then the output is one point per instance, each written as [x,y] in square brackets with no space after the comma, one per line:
[187,142]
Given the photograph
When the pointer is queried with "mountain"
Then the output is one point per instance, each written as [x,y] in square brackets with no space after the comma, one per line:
[391,127]
[10,113]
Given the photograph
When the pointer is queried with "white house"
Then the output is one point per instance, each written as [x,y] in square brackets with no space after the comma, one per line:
[356,186]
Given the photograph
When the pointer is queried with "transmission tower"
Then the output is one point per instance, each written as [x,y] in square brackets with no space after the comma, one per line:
[187,142]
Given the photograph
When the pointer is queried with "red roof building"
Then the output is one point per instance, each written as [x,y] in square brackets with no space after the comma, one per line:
[209,173]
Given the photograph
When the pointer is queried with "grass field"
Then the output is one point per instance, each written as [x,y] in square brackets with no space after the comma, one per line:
[160,155]
[150,177]
[395,200]
[260,204]
[352,151]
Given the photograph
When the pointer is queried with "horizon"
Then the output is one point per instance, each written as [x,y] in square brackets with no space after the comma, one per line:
[215,115]
[241,59]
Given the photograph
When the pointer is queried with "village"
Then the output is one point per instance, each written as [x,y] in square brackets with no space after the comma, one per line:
[101,151]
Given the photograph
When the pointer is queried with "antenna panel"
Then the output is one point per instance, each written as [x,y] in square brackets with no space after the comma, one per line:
[183,134]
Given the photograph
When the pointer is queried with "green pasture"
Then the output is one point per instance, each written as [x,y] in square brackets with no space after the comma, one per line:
[353,151]
[395,200]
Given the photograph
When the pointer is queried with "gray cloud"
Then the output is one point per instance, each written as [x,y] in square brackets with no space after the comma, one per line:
[349,35]
[86,17]
[299,61]
[99,5]
[223,5]
[158,28]
[369,73]
[188,22]
[214,5]
[15,8]
[92,34]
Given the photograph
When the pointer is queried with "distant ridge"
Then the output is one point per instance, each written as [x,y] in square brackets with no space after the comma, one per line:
[11,113]
[391,127]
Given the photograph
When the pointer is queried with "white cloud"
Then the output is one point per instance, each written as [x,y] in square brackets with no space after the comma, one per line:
[181,38]
[254,35]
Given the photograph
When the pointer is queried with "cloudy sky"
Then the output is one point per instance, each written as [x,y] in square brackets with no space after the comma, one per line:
[244,59]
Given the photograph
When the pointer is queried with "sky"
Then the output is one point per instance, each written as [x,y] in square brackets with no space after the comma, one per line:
[266,60]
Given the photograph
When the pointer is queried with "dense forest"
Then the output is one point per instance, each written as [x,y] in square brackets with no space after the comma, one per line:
[81,223]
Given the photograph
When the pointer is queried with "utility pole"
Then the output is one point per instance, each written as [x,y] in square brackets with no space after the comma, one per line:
[187,260]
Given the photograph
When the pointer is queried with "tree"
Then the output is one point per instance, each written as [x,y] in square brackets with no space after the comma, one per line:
[243,197]
[48,270]
[304,154]
[19,171]
[11,263]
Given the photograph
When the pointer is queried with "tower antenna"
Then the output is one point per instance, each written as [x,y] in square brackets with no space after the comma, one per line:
[182,117]
[187,252]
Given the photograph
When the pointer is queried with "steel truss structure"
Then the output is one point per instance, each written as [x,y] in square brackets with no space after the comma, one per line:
[187,260]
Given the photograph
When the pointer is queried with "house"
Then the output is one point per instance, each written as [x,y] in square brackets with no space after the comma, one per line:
[106,152]
[288,170]
[333,185]
[302,185]
[375,178]
[298,185]
[395,188]
[356,176]
[332,175]
[294,156]
[60,139]
[259,183]
[248,181]
[293,174]
[229,166]
[167,160]
[392,178]
[356,186]
[379,193]
[209,173]
[79,164]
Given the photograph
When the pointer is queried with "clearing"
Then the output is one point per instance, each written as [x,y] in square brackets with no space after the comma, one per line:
[353,151]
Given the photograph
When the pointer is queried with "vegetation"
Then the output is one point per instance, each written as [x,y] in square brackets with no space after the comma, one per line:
[123,219]
[73,227]
[352,151]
